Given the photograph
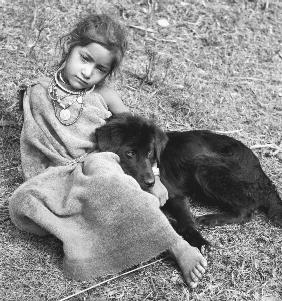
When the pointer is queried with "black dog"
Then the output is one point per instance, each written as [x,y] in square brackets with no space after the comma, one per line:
[205,166]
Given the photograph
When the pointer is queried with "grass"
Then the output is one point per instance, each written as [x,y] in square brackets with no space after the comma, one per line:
[216,66]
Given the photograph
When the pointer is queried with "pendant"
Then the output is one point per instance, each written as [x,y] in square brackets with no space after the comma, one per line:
[79,99]
[65,114]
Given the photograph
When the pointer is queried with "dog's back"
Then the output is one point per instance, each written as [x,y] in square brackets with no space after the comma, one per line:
[221,170]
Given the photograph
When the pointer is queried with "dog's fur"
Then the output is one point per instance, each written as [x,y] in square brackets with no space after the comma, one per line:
[205,166]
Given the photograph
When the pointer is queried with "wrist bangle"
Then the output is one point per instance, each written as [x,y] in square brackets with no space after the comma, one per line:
[156,171]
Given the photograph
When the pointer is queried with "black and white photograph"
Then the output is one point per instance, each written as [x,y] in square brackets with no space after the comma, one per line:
[141,150]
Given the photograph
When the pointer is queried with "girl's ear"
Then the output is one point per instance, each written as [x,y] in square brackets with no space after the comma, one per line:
[67,45]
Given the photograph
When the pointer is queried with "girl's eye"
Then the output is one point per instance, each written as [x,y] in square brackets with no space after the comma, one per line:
[130,154]
[102,69]
[84,58]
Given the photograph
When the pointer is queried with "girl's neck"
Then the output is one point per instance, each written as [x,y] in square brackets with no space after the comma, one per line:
[63,83]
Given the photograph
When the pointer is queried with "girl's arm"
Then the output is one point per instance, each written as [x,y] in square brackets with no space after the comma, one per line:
[113,101]
[159,190]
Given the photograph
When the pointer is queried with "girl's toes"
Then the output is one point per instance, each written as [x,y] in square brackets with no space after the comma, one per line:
[200,269]
[204,262]
[193,284]
[197,273]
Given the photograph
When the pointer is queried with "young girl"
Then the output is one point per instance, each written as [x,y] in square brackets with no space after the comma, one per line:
[104,219]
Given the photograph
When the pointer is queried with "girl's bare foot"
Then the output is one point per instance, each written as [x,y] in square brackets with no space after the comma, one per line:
[191,262]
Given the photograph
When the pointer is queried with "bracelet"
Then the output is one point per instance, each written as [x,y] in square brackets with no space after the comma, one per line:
[155,170]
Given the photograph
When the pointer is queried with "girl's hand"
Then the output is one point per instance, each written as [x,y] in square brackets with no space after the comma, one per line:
[160,191]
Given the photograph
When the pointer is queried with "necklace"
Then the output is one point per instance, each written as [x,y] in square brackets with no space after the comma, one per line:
[56,78]
[62,111]
[64,115]
[61,77]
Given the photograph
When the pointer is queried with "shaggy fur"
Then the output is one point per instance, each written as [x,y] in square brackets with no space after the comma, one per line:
[205,166]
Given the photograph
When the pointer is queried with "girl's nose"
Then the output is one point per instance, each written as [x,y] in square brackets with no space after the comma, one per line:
[87,71]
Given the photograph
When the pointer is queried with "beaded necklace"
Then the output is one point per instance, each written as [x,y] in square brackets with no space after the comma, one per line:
[62,111]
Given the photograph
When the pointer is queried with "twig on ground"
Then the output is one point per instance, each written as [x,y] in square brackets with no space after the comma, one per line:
[154,93]
[268,145]
[111,279]
[130,88]
[142,28]
[4,123]
[165,40]
[254,79]
[165,111]
[34,18]
[228,132]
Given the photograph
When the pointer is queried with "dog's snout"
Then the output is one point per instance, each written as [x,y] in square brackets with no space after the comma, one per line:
[149,182]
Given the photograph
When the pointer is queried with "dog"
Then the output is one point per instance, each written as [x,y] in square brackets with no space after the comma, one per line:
[205,166]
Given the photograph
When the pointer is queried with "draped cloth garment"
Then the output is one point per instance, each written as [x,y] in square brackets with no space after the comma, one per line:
[104,220]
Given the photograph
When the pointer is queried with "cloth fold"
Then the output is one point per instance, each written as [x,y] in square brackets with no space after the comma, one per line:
[104,219]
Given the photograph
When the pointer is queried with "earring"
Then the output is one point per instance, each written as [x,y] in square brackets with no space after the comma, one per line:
[59,72]
[91,89]
[62,66]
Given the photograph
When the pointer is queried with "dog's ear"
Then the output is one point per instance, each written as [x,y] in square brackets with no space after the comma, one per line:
[161,140]
[108,137]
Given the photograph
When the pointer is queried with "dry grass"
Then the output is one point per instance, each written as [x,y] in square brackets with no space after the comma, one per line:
[216,66]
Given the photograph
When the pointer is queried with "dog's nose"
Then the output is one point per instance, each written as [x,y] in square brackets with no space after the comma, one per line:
[149,182]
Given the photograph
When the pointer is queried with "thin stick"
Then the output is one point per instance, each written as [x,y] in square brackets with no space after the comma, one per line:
[111,279]
[268,145]
[165,40]
[228,132]
[141,28]
[254,79]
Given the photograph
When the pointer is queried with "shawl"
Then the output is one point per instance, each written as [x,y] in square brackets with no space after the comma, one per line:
[105,221]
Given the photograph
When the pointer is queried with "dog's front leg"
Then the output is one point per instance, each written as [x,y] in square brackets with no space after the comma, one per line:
[179,208]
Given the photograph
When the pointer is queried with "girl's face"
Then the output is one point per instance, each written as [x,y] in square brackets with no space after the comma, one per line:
[87,66]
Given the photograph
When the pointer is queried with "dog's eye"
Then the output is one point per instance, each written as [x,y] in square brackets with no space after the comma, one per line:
[130,154]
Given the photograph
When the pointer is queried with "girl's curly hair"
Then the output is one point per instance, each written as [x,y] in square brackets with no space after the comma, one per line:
[100,29]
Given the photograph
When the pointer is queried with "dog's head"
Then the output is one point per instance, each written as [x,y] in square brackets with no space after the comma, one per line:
[137,141]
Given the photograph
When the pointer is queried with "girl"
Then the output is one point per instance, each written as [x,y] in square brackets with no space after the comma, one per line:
[104,219]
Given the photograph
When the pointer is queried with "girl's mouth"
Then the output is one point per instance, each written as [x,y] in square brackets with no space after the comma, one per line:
[81,81]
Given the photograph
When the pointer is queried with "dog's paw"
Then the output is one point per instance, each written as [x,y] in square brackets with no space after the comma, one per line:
[195,239]
[277,218]
[205,249]
[208,220]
